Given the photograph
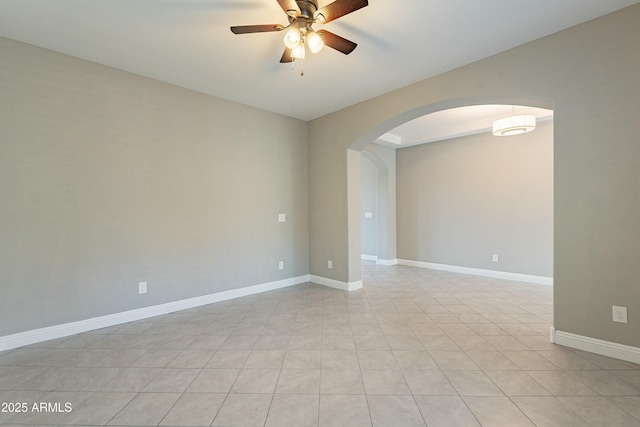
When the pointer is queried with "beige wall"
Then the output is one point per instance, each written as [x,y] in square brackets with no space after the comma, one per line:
[384,160]
[590,76]
[462,200]
[108,179]
[368,203]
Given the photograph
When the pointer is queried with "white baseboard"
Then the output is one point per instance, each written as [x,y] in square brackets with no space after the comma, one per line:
[66,329]
[343,286]
[369,257]
[540,280]
[354,286]
[593,345]
[387,262]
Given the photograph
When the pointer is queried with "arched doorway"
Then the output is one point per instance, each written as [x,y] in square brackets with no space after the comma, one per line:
[356,216]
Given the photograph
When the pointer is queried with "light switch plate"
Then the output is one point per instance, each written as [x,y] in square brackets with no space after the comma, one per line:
[282,218]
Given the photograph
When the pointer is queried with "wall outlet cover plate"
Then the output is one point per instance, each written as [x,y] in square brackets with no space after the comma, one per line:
[619,314]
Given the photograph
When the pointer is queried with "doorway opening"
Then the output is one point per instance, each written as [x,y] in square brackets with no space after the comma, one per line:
[467,201]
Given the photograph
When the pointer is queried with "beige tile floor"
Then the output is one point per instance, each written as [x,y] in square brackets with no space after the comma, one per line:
[416,347]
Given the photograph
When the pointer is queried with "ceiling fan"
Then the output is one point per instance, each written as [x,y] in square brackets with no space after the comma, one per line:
[302,15]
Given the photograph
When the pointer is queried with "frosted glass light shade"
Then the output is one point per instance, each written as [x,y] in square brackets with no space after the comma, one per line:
[298,51]
[292,38]
[514,125]
[314,41]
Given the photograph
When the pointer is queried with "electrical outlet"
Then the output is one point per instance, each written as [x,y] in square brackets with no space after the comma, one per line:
[329,264]
[495,258]
[142,287]
[619,314]
[281,265]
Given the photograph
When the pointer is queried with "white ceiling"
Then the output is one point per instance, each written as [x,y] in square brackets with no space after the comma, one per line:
[454,123]
[188,43]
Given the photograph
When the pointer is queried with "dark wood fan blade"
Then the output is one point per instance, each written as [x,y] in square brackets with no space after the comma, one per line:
[289,6]
[247,29]
[286,56]
[336,42]
[339,8]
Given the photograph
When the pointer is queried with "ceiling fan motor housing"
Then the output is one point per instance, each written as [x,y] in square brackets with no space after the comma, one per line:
[307,8]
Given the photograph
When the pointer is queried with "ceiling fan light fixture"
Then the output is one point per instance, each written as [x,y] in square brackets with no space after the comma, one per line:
[298,51]
[315,42]
[292,38]
[514,125]
[302,14]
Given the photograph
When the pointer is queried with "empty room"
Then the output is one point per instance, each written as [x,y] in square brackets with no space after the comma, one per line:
[309,213]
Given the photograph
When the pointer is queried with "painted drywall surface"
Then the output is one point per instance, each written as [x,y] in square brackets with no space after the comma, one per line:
[368,204]
[385,160]
[108,179]
[328,183]
[462,200]
[590,76]
[353,213]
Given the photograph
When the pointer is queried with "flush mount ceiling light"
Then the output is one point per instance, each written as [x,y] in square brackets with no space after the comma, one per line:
[514,125]
[302,14]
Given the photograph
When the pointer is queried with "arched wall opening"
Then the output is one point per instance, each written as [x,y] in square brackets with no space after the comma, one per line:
[356,215]
[596,211]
